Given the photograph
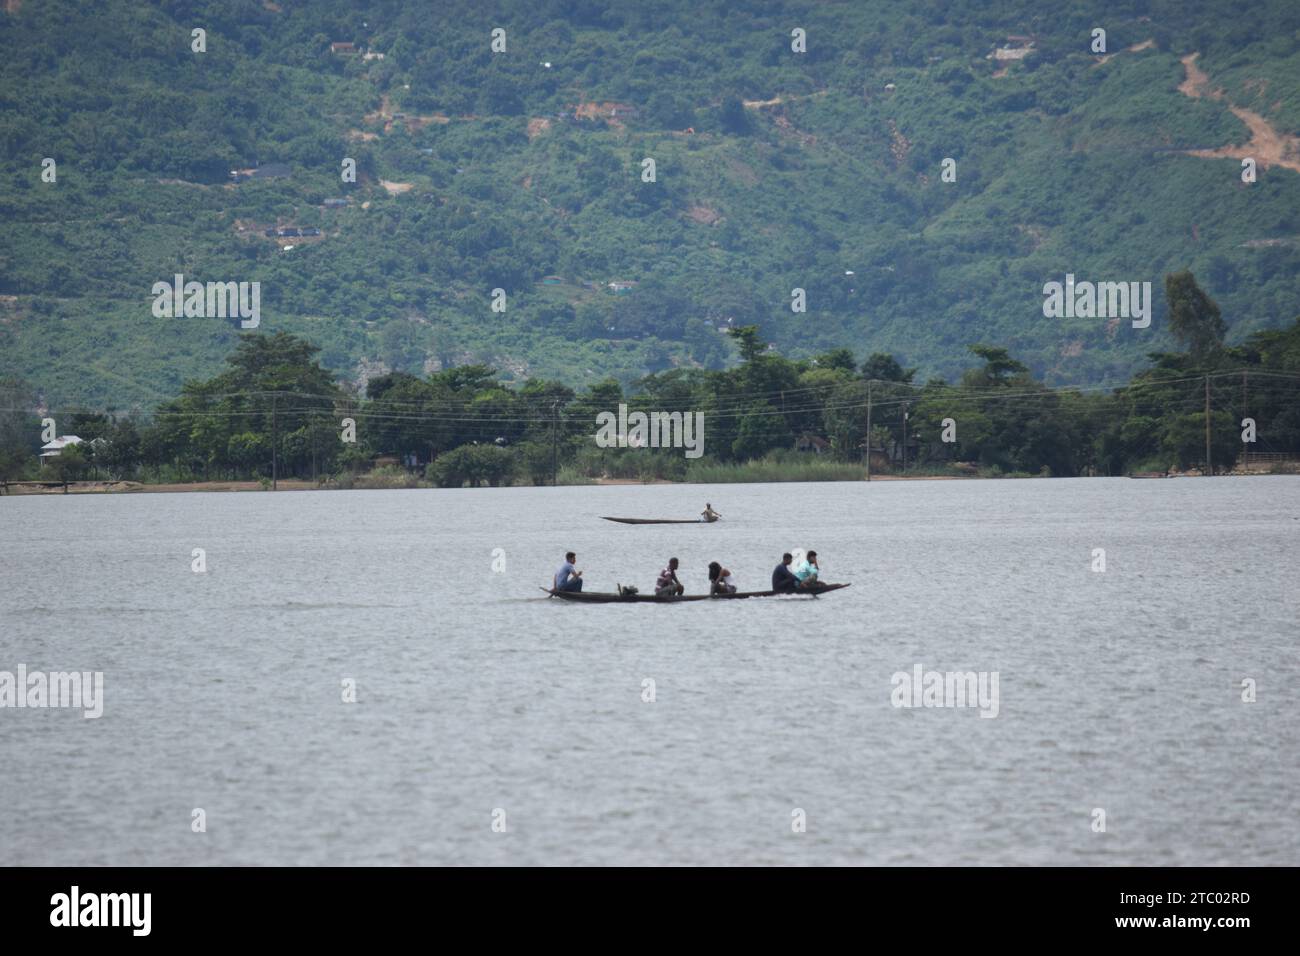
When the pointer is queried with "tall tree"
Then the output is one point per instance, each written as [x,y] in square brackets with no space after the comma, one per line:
[883,367]
[999,367]
[18,428]
[1194,317]
[746,336]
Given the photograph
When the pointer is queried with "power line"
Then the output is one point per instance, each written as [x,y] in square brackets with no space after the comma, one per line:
[536,409]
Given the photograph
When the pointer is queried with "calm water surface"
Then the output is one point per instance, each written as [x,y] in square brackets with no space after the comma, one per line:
[1118,690]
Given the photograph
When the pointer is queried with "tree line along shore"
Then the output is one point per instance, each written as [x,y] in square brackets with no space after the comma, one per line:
[276,418]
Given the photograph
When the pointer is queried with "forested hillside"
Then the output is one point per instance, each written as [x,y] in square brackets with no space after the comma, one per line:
[523,171]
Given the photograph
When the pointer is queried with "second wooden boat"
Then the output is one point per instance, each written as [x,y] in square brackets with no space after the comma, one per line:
[660,520]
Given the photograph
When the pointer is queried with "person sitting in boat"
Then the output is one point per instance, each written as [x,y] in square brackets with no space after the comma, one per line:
[783,579]
[720,579]
[568,578]
[667,585]
[807,570]
[708,514]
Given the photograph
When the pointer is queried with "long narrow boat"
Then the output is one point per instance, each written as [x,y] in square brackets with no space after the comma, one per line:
[659,520]
[586,597]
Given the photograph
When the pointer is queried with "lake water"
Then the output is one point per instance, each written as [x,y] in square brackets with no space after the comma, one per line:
[1118,691]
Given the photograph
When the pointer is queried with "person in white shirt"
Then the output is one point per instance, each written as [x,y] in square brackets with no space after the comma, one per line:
[720,579]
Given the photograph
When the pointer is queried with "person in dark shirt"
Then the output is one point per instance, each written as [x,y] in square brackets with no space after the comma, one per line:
[783,579]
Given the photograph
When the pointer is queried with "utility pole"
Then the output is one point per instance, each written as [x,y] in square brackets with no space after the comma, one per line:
[868,429]
[555,417]
[1209,467]
[1245,411]
[904,438]
[275,435]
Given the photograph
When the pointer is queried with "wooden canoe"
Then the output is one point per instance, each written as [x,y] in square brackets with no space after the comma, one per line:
[587,597]
[658,520]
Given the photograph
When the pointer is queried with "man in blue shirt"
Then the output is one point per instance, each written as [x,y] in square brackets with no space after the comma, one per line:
[567,578]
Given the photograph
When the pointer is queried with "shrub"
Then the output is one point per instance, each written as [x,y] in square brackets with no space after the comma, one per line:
[475,465]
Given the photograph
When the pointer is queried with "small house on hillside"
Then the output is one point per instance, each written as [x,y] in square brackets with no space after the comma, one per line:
[552,280]
[344,48]
[269,171]
[608,112]
[812,443]
[272,171]
[622,286]
[336,203]
[1016,48]
[55,448]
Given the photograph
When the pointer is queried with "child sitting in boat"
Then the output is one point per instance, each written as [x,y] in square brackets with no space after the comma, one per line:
[708,514]
[720,579]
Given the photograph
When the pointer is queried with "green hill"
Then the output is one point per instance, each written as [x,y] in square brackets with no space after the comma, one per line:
[774,170]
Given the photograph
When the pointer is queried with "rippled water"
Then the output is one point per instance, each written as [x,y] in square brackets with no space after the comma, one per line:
[1119,690]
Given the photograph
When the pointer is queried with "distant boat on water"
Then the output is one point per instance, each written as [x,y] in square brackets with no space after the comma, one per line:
[660,520]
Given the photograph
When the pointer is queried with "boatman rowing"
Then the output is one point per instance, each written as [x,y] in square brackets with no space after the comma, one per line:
[708,514]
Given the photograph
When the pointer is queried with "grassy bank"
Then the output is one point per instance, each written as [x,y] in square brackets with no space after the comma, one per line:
[765,470]
[761,471]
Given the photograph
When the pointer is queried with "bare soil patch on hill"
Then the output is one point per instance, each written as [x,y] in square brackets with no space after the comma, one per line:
[1266,145]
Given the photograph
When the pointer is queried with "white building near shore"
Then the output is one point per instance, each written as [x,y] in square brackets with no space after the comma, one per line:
[55,448]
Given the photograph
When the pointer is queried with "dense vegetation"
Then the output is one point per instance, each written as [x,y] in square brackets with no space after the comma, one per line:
[775,170]
[276,411]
